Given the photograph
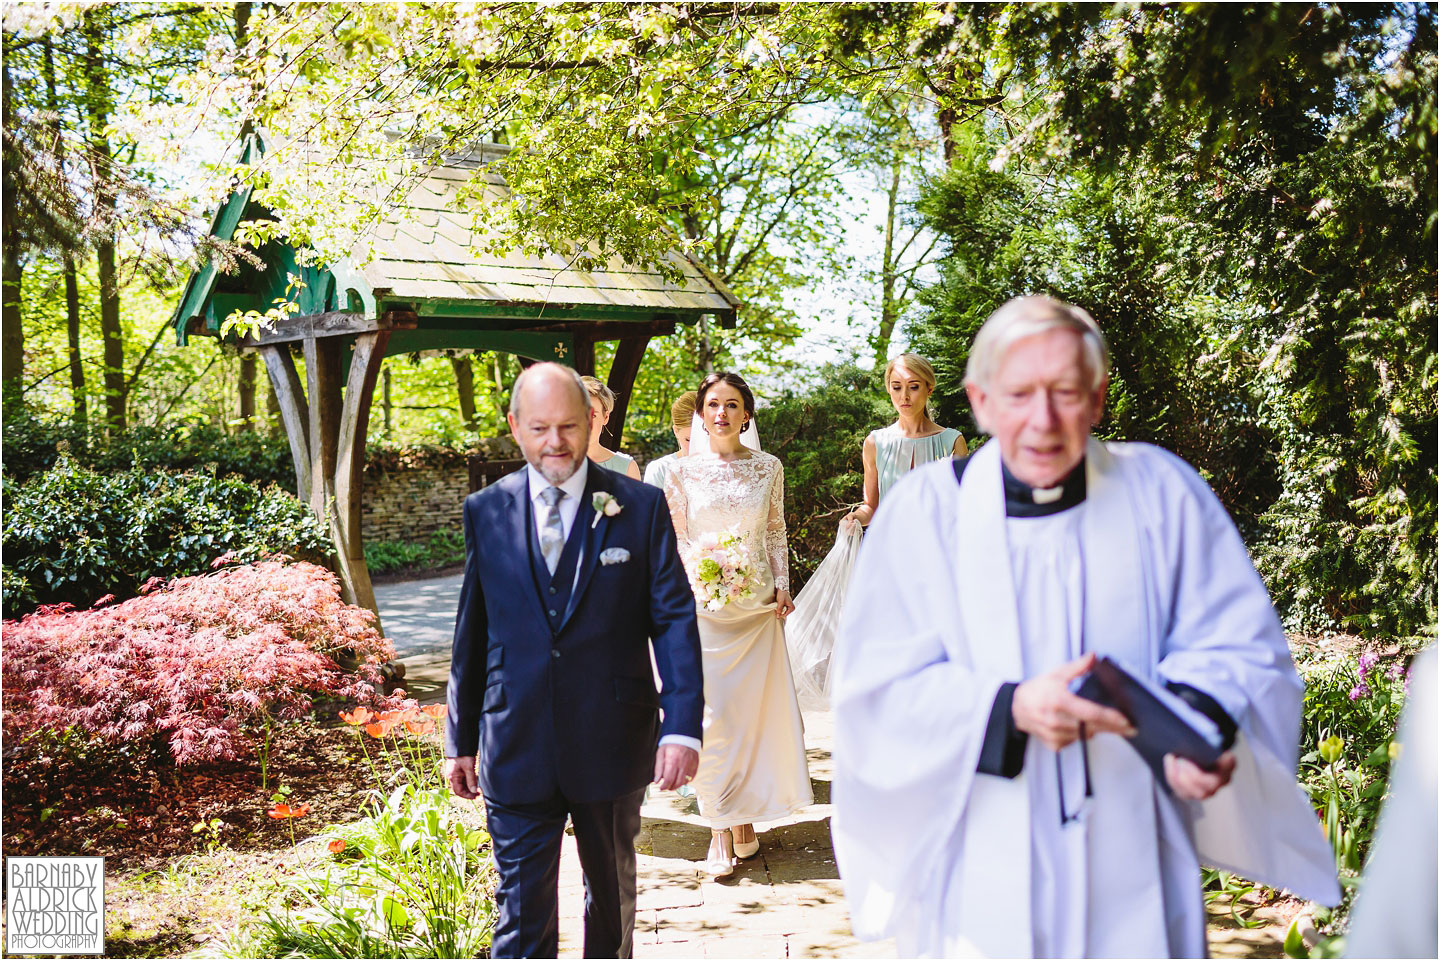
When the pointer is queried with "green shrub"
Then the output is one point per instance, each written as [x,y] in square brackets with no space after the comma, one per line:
[74,535]
[32,446]
[818,436]
[443,548]
[1353,700]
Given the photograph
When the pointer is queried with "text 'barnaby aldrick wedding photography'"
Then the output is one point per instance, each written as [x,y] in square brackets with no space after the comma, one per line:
[55,905]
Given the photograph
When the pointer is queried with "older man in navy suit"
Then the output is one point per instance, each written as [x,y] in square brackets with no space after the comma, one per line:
[571,572]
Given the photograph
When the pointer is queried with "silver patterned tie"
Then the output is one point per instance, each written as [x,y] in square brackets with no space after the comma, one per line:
[552,535]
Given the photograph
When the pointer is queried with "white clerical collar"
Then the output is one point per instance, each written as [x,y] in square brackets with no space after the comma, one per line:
[1022,500]
[573,487]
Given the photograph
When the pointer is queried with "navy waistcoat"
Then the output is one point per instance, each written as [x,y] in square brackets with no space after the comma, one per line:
[555,588]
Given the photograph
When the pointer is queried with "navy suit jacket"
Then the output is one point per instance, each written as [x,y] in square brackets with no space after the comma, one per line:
[571,710]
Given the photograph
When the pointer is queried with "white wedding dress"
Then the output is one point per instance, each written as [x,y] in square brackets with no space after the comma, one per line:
[752,764]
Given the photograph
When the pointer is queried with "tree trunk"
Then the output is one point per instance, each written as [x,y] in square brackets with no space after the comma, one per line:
[99,97]
[947,116]
[247,389]
[272,409]
[889,309]
[12,333]
[386,404]
[499,380]
[465,388]
[248,359]
[81,414]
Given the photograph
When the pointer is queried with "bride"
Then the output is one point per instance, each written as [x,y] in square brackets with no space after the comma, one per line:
[752,764]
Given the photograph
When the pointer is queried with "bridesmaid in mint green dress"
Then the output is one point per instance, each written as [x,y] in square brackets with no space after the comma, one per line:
[914,439]
[602,402]
[889,454]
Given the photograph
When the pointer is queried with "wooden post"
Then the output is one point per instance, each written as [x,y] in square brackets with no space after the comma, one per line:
[327,440]
[350,467]
[623,371]
[322,376]
[583,359]
[294,412]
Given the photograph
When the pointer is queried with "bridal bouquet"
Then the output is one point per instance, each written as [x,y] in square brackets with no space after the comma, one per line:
[721,570]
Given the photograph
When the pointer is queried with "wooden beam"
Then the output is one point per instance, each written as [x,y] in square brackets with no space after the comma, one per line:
[333,323]
[611,330]
[623,370]
[365,361]
[294,412]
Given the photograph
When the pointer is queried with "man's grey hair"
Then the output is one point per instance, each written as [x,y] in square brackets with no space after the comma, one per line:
[1025,317]
[582,396]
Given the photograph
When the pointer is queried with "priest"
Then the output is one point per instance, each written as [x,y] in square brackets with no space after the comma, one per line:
[982,807]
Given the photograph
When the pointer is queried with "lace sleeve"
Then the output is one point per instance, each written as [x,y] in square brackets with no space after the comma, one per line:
[679,510]
[776,548]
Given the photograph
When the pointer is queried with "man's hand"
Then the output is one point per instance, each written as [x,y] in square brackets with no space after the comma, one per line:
[675,764]
[1043,706]
[1192,782]
[460,772]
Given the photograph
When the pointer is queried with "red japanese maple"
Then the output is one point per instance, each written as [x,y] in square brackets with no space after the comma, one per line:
[201,664]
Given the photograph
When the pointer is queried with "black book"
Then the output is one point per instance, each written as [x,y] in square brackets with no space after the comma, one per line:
[1163,723]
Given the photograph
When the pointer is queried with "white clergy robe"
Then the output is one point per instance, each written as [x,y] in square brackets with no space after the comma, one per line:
[951,600]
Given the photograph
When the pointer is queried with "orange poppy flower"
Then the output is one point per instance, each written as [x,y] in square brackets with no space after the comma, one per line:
[421,727]
[358,716]
[282,811]
[380,729]
[435,710]
[336,846]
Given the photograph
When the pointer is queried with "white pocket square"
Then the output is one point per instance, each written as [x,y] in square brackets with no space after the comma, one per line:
[614,555]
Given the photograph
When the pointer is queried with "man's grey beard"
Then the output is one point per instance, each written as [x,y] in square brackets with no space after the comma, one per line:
[549,474]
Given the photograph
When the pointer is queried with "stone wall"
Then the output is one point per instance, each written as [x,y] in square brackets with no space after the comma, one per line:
[409,493]
[409,505]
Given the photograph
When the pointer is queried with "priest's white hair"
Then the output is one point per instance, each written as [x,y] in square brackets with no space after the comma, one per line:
[1023,317]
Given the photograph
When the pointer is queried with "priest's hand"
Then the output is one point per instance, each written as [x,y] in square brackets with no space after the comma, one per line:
[675,764]
[1192,782]
[1044,707]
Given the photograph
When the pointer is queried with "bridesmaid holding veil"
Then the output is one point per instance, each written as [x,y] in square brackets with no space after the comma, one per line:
[889,453]
[752,763]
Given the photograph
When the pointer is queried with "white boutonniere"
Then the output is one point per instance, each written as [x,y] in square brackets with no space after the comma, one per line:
[605,505]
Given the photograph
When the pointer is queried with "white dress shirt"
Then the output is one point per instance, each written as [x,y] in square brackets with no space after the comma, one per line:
[574,488]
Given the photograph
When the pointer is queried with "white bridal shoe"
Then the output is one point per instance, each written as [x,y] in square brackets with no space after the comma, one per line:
[745,849]
[720,860]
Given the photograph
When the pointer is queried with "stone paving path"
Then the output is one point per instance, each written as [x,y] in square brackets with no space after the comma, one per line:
[785,902]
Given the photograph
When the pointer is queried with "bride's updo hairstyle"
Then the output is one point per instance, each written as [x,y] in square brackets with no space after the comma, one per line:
[1025,317]
[734,380]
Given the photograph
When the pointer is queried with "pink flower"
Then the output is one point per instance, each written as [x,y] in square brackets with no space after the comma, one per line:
[709,541]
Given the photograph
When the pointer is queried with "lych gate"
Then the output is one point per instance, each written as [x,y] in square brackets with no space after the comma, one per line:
[430,286]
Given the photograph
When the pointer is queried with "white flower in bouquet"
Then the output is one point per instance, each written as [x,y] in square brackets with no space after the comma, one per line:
[721,570]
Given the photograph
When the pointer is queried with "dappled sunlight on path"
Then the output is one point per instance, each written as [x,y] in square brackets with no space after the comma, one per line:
[785,902]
